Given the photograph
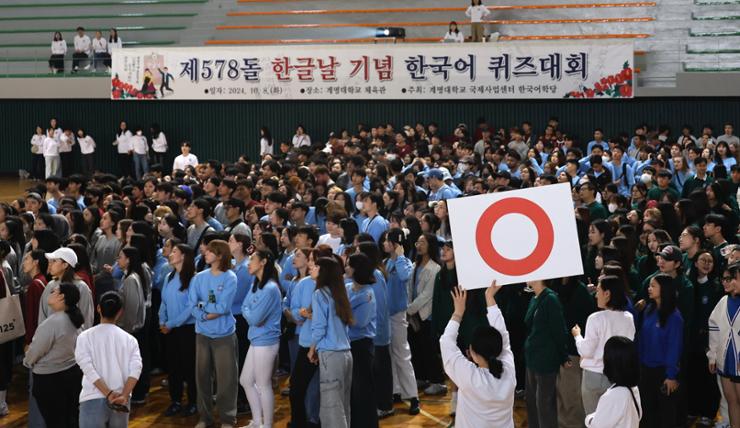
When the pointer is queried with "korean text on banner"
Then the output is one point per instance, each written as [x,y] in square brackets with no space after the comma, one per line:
[516,236]
[586,69]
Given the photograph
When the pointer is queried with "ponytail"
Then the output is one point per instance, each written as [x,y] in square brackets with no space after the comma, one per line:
[496,367]
[75,316]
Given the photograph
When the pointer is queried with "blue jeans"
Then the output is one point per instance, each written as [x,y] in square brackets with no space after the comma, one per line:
[96,414]
[141,165]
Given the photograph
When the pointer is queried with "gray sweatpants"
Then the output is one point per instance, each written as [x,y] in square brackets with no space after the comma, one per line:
[219,356]
[593,386]
[542,402]
[335,378]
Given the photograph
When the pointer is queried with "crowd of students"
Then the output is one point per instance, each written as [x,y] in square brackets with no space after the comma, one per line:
[334,262]
[95,53]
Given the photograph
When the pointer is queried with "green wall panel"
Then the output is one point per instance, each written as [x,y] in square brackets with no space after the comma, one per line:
[223,130]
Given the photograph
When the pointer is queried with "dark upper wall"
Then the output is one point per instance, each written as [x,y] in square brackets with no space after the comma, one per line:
[223,130]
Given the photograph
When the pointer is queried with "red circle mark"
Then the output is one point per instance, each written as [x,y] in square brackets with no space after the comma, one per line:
[545,236]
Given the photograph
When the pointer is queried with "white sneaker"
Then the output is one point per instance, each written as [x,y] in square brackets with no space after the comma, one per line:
[252,424]
[87,67]
[436,389]
[4,411]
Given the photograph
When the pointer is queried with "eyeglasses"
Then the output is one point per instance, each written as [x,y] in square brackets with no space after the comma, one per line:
[726,278]
[706,261]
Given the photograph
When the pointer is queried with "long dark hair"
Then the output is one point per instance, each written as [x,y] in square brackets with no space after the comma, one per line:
[488,343]
[372,251]
[266,135]
[457,30]
[40,256]
[187,272]
[91,227]
[57,33]
[362,269]
[433,252]
[621,364]
[71,298]
[15,231]
[331,276]
[667,298]
[113,35]
[83,258]
[269,272]
[134,266]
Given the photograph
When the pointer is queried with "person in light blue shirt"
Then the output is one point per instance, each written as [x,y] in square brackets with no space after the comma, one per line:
[178,327]
[211,295]
[331,315]
[162,267]
[438,190]
[262,310]
[374,224]
[622,171]
[240,246]
[597,141]
[304,386]
[400,270]
[361,334]
[300,267]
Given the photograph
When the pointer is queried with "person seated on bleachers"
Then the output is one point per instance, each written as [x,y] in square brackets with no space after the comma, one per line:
[100,50]
[454,35]
[58,50]
[83,46]
[114,42]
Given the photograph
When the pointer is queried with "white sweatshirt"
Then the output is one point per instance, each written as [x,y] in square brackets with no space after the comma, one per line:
[458,37]
[124,142]
[58,47]
[301,140]
[109,353]
[83,44]
[50,147]
[115,45]
[600,327]
[266,149]
[616,409]
[87,145]
[141,147]
[482,400]
[181,162]
[477,13]
[159,144]
[100,45]
[65,143]
[38,141]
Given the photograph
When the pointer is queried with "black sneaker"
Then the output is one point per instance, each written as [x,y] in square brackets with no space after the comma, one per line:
[174,409]
[414,407]
[190,410]
[397,398]
[243,409]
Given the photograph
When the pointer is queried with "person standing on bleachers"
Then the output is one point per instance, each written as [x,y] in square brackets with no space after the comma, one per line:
[58,50]
[477,13]
[83,46]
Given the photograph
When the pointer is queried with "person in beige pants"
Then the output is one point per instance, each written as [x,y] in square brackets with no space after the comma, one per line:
[477,13]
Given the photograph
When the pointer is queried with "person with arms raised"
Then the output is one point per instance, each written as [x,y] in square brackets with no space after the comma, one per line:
[485,384]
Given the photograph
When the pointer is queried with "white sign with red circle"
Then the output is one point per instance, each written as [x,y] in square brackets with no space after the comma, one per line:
[516,236]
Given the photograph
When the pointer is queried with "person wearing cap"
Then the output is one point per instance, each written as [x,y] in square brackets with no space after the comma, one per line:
[234,211]
[62,263]
[50,356]
[669,261]
[438,189]
[658,192]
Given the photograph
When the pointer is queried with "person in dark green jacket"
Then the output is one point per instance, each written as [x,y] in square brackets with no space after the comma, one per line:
[545,350]
[664,187]
[701,385]
[700,180]
[596,210]
[443,307]
[577,304]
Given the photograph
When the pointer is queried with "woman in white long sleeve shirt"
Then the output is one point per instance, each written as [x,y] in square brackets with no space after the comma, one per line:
[159,144]
[37,156]
[58,50]
[454,35]
[87,148]
[114,42]
[620,405]
[100,50]
[50,150]
[486,385]
[266,144]
[477,13]
[612,320]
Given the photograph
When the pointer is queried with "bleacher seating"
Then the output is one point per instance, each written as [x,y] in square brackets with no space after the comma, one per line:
[26,27]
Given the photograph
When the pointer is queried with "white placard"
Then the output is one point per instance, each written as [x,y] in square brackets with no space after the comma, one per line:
[545,69]
[516,236]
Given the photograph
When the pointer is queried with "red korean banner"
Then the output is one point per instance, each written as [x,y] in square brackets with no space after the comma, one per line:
[507,70]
